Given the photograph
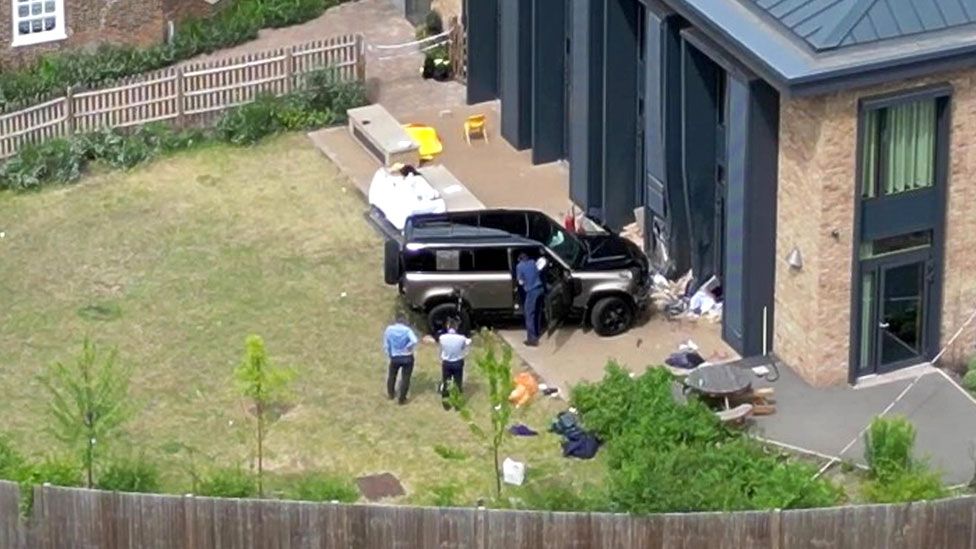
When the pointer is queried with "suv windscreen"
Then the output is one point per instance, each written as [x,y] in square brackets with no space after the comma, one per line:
[566,246]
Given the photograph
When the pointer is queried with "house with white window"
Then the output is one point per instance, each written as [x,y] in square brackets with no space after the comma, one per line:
[35,27]
[817,156]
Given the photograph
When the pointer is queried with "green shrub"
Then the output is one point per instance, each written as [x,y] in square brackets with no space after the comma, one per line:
[54,161]
[56,471]
[434,23]
[10,459]
[228,483]
[250,123]
[895,475]
[905,486]
[443,495]
[237,23]
[130,475]
[664,456]
[560,496]
[969,381]
[323,487]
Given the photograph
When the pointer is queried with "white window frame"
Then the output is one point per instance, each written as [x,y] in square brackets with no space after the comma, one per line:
[57,33]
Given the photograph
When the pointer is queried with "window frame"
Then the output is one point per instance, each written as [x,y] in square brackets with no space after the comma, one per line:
[57,33]
[941,94]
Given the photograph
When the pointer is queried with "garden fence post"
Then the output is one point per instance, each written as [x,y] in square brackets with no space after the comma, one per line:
[289,71]
[360,58]
[69,109]
[775,529]
[180,110]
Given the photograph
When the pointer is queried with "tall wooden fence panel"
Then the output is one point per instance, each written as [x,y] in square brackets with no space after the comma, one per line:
[190,94]
[67,518]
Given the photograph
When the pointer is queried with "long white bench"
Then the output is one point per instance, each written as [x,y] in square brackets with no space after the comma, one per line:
[382,135]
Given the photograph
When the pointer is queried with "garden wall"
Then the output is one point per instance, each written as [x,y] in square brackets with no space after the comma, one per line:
[85,518]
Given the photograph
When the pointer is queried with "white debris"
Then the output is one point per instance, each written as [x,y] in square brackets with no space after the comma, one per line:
[513,472]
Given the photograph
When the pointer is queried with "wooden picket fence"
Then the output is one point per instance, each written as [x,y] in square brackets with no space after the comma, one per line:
[189,94]
[459,50]
[68,518]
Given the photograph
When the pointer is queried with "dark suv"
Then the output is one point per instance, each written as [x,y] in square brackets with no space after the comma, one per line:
[462,264]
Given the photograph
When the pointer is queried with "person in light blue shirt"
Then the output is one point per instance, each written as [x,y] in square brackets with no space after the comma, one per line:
[399,342]
[454,349]
[530,281]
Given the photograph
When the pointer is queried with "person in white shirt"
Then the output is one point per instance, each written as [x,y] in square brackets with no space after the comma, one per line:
[454,349]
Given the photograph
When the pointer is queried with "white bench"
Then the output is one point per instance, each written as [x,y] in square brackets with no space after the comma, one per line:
[382,135]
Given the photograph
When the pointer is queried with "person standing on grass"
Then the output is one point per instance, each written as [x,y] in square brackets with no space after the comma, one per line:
[530,281]
[399,342]
[454,349]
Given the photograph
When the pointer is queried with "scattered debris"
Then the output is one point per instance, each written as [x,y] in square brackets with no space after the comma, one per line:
[513,472]
[521,430]
[677,300]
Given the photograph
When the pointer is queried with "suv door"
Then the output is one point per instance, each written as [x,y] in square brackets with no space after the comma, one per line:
[558,297]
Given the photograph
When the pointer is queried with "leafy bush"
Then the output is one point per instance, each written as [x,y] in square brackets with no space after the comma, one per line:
[10,459]
[895,475]
[663,456]
[250,123]
[237,23]
[323,487]
[130,475]
[560,496]
[969,380]
[228,483]
[54,161]
[443,495]
[53,470]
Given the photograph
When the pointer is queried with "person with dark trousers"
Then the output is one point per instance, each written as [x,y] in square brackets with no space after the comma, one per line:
[454,349]
[399,342]
[530,281]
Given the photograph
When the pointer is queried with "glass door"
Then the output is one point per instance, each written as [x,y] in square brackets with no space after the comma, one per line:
[894,316]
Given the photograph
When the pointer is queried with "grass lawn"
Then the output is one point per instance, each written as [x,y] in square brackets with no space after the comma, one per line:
[175,263]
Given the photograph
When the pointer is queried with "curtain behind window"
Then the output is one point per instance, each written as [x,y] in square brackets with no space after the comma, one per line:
[910,147]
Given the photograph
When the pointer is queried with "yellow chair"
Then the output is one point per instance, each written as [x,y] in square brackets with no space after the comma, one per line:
[476,124]
[426,138]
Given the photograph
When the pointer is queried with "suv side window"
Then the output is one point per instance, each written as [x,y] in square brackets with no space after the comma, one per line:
[491,260]
[421,261]
[511,222]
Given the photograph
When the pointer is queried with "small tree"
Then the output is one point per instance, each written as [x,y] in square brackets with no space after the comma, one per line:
[89,402]
[498,375]
[264,384]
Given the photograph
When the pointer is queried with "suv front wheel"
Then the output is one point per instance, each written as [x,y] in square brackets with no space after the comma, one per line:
[611,316]
[438,316]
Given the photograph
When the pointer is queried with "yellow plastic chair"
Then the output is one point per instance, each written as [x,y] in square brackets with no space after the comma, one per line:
[426,137]
[476,124]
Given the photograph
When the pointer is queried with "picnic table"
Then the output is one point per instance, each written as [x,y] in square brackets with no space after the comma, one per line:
[720,382]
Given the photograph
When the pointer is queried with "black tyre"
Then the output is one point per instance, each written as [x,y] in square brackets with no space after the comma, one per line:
[438,316]
[391,262]
[611,316]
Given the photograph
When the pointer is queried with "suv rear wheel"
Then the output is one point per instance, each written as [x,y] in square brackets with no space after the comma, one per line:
[611,316]
[438,316]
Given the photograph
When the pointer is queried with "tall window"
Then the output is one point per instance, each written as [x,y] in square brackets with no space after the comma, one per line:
[899,148]
[37,21]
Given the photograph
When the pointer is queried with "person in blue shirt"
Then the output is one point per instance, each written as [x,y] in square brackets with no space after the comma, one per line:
[399,342]
[533,290]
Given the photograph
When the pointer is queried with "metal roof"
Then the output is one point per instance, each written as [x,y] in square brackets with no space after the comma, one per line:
[805,47]
[829,24]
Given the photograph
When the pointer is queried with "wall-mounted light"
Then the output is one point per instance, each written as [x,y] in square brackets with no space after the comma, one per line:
[795,259]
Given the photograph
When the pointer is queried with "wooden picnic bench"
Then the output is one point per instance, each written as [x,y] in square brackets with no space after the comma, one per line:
[383,136]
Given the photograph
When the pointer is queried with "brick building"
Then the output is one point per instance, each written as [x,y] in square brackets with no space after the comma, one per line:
[41,26]
[814,155]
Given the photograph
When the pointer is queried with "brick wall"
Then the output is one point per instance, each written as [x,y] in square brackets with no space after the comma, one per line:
[91,22]
[818,140]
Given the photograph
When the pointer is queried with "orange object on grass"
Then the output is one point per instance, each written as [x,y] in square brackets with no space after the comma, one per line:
[526,387]
[426,137]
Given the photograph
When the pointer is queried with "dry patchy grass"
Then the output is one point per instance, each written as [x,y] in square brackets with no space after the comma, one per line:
[176,262]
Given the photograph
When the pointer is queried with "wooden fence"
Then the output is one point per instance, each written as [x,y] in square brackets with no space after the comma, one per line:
[67,518]
[459,50]
[188,94]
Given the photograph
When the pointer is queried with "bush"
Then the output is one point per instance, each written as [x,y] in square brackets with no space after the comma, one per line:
[248,124]
[895,475]
[969,380]
[10,459]
[228,483]
[133,475]
[560,496]
[323,487]
[663,456]
[237,23]
[53,470]
[443,495]
[54,161]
